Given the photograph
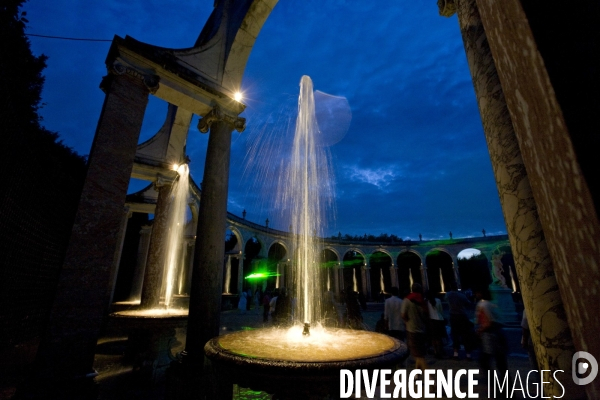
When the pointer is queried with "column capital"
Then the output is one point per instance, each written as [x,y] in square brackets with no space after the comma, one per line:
[151,81]
[217,115]
[162,180]
[447,7]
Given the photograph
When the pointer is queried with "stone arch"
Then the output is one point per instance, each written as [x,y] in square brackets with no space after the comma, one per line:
[252,249]
[277,264]
[334,251]
[474,271]
[232,261]
[380,263]
[239,235]
[440,274]
[330,260]
[353,263]
[409,264]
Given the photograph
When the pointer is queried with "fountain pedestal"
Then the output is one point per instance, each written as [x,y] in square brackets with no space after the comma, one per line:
[150,341]
[294,372]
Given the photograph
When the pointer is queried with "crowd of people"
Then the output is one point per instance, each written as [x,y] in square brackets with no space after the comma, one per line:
[419,319]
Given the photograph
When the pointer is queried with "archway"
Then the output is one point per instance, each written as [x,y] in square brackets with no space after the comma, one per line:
[440,275]
[353,264]
[251,262]
[381,280]
[329,262]
[409,271]
[473,269]
[232,263]
[276,265]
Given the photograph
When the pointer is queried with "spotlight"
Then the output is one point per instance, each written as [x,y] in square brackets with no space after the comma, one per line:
[238,96]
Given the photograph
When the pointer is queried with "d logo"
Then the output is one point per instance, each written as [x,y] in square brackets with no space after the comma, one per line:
[581,368]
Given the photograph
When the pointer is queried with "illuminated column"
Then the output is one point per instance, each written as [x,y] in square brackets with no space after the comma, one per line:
[227,282]
[550,332]
[67,348]
[158,238]
[205,296]
[140,265]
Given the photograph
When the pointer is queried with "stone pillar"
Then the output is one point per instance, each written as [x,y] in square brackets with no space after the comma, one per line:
[552,128]
[207,278]
[336,279]
[118,251]
[366,282]
[240,282]
[151,289]
[456,272]
[549,329]
[424,278]
[68,346]
[394,276]
[140,266]
[189,249]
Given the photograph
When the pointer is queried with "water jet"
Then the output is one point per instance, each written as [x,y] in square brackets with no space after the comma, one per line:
[152,326]
[298,362]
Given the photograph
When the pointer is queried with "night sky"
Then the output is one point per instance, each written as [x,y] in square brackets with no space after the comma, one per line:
[414,159]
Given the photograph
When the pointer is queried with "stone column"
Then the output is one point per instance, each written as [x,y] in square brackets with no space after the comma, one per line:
[207,278]
[424,278]
[240,282]
[549,329]
[68,346]
[118,251]
[189,249]
[366,281]
[140,266]
[394,276]
[336,279]
[151,289]
[456,272]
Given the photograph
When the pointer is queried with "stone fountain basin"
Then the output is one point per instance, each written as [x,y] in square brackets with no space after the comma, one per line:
[257,360]
[151,338]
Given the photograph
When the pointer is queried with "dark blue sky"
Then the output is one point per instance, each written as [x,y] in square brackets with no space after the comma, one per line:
[414,159]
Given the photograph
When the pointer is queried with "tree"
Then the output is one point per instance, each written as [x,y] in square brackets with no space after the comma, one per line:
[21,79]
[42,182]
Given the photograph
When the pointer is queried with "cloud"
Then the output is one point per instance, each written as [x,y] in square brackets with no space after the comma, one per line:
[380,177]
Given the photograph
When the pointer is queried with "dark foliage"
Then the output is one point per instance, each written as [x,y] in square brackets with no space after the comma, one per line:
[382,238]
[41,188]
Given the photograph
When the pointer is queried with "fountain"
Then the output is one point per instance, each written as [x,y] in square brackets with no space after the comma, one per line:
[302,361]
[152,332]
